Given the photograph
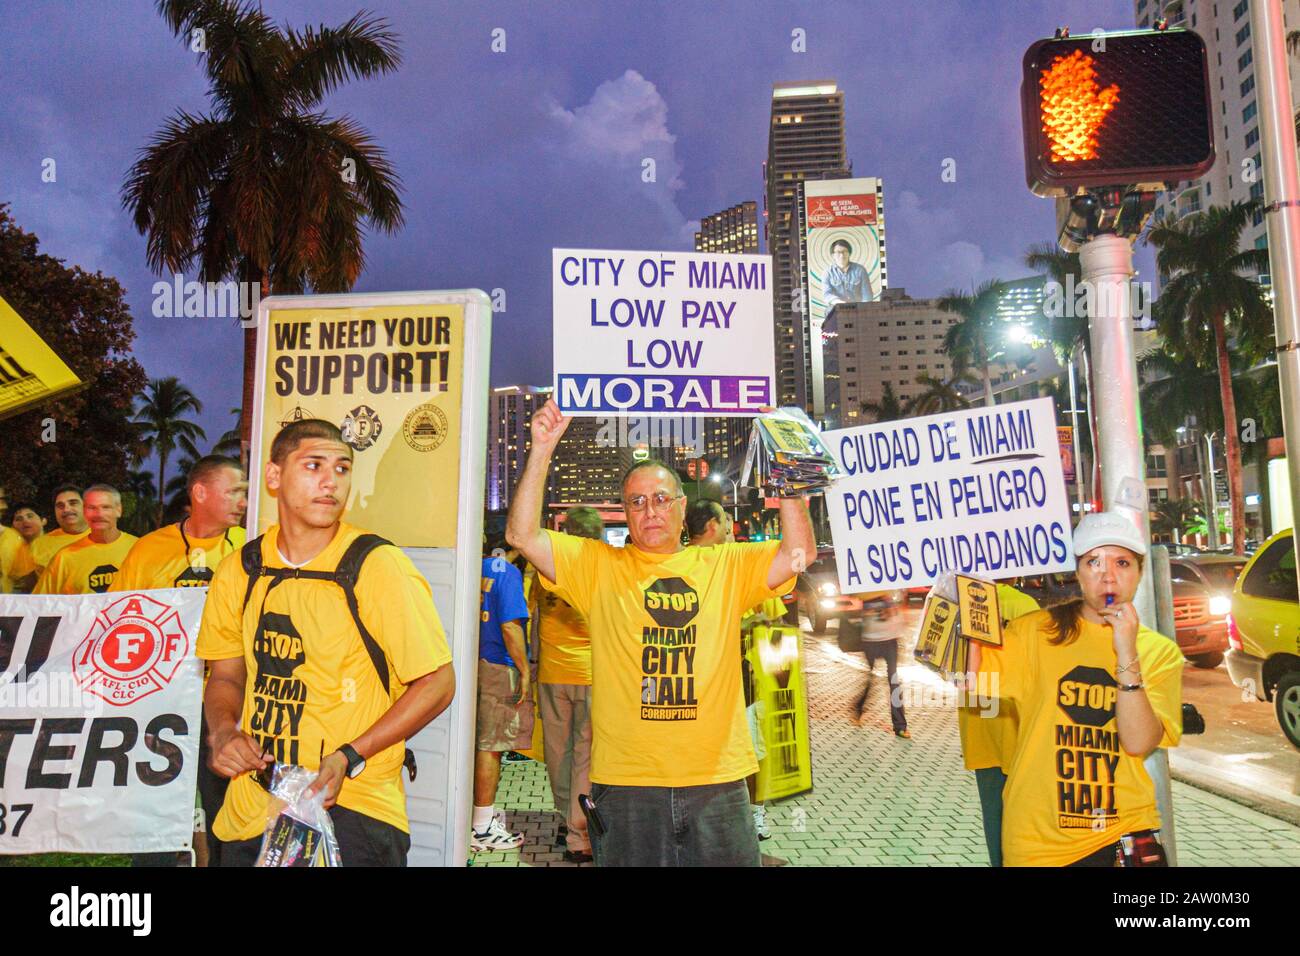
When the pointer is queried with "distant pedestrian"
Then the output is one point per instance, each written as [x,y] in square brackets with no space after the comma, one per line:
[880,643]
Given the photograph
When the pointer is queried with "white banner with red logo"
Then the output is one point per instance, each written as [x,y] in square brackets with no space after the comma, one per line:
[99,721]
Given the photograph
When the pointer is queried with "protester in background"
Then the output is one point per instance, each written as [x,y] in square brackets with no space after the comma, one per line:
[988,735]
[10,543]
[505,701]
[1096,693]
[363,679]
[186,554]
[670,749]
[27,520]
[880,643]
[88,566]
[564,695]
[35,556]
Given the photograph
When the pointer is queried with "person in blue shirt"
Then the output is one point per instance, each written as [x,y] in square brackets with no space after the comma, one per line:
[505,701]
[845,281]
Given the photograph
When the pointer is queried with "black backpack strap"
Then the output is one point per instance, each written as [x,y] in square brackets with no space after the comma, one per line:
[346,574]
[250,556]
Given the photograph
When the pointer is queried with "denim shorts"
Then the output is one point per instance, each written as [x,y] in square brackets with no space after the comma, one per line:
[708,825]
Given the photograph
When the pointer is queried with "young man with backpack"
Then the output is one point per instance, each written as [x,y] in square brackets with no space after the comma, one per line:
[326,651]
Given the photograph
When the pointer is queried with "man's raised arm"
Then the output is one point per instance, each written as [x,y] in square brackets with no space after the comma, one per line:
[798,543]
[524,523]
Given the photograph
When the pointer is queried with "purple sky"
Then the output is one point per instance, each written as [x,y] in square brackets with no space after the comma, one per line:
[506,155]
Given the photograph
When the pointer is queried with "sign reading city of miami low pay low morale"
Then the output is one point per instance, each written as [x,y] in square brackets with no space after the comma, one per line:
[662,333]
[978,491]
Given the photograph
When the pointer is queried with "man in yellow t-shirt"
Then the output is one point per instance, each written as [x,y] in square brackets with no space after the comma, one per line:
[294,680]
[670,744]
[10,542]
[988,736]
[27,526]
[564,694]
[1096,693]
[35,556]
[89,565]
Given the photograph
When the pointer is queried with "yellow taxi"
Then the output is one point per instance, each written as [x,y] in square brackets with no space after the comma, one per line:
[1264,631]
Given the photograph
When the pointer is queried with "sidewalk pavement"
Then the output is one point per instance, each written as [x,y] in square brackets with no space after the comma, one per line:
[878,800]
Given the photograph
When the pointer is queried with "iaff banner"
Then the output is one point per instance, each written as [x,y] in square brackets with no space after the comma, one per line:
[30,371]
[977,491]
[785,754]
[390,377]
[99,721]
[662,333]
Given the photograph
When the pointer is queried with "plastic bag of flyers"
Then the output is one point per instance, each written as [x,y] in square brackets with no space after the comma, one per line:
[299,831]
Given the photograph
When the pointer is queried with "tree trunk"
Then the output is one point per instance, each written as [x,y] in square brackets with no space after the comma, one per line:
[1231,442]
[162,485]
[1172,475]
[988,381]
[251,274]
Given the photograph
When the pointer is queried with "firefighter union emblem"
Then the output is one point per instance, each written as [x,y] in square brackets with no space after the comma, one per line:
[361,427]
[133,649]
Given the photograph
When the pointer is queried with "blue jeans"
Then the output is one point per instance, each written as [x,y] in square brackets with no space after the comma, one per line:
[709,825]
[990,781]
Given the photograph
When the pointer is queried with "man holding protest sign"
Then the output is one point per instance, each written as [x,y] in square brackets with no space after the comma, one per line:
[671,747]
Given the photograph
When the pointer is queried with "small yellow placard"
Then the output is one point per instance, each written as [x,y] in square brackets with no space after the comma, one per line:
[980,618]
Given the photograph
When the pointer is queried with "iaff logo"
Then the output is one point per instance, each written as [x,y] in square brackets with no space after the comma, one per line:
[133,648]
[1087,695]
[102,577]
[671,602]
[361,427]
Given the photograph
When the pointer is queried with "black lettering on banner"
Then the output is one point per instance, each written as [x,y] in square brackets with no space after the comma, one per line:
[668,652]
[118,754]
[22,809]
[38,650]
[156,743]
[43,751]
[8,730]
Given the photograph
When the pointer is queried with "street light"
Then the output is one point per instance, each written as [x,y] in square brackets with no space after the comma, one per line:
[718,478]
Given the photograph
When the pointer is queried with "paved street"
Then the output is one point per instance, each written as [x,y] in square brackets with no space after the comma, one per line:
[881,801]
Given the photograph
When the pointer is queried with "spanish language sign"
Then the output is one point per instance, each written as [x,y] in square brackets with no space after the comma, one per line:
[662,333]
[99,742]
[978,491]
[390,377]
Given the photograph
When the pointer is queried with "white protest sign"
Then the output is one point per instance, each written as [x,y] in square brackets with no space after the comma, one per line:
[662,333]
[99,721]
[978,491]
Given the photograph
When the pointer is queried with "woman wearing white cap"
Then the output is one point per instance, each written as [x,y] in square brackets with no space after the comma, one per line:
[1096,692]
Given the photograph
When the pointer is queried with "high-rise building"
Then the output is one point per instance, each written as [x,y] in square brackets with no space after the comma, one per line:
[732,230]
[1237,173]
[805,141]
[510,409]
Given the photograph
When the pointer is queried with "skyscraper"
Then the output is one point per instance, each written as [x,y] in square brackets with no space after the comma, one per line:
[805,141]
[510,410]
[732,230]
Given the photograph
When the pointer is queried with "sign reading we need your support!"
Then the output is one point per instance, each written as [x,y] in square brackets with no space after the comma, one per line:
[662,333]
[978,491]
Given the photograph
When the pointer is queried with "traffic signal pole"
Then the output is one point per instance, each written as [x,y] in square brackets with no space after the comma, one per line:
[1282,214]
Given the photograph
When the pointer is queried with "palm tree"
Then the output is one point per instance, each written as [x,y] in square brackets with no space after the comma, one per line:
[1206,293]
[888,409]
[941,395]
[1176,517]
[1174,388]
[229,444]
[265,187]
[1069,330]
[139,503]
[163,427]
[977,339]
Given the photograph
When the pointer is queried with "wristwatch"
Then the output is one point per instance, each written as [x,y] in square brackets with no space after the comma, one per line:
[356,762]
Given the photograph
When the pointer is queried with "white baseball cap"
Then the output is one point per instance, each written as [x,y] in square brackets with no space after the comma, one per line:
[1107,527]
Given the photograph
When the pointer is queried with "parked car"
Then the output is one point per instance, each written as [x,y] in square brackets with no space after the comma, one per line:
[819,597]
[1202,586]
[1179,550]
[1264,631]
[1049,589]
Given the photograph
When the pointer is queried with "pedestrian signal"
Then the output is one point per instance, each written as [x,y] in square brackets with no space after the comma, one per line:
[1116,109]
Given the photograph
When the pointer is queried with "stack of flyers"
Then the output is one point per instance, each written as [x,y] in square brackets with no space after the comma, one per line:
[940,645]
[788,456]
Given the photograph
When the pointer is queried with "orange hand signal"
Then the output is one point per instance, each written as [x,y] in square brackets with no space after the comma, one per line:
[1074,106]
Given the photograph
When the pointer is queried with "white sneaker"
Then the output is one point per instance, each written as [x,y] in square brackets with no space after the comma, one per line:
[495,837]
[760,823]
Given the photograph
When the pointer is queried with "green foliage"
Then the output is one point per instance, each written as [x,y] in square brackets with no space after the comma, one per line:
[888,409]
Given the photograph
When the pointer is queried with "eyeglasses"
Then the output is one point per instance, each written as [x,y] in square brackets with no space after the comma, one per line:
[660,499]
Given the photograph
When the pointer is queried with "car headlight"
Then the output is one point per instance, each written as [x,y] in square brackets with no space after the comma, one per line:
[1220,604]
[829,590]
[828,603]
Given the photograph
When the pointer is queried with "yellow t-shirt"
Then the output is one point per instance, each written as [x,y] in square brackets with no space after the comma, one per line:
[84,567]
[311,686]
[11,542]
[161,559]
[667,706]
[771,611]
[1071,787]
[989,739]
[564,651]
[35,556]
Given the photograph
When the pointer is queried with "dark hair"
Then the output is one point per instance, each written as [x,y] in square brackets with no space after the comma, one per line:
[206,468]
[700,514]
[63,489]
[842,242]
[584,522]
[1066,617]
[292,435]
[21,506]
[650,463]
